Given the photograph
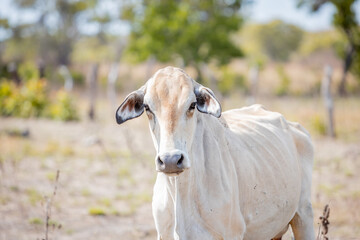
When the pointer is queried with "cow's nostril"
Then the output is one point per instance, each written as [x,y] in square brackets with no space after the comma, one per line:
[161,163]
[179,163]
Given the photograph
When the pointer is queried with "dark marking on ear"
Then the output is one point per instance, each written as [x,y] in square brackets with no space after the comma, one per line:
[132,107]
[207,102]
[201,100]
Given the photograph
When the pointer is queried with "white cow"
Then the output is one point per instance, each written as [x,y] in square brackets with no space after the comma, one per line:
[243,175]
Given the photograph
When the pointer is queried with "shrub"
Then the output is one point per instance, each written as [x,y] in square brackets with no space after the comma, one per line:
[36,221]
[230,81]
[97,211]
[283,88]
[32,100]
[6,97]
[27,101]
[78,78]
[28,71]
[63,108]
[318,125]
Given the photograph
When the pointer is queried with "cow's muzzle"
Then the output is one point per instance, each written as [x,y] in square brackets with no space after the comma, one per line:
[170,163]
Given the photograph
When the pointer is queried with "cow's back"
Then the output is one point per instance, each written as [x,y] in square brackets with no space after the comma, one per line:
[267,153]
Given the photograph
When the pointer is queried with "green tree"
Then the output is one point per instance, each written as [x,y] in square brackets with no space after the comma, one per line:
[4,27]
[344,19]
[57,27]
[194,31]
[278,39]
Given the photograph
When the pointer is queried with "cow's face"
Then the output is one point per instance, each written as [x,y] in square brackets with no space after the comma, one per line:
[172,101]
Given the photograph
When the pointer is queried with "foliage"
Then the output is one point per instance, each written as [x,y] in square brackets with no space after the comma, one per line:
[249,41]
[28,71]
[92,49]
[36,221]
[19,49]
[313,42]
[195,32]
[27,101]
[318,125]
[33,100]
[283,88]
[78,77]
[356,66]
[51,36]
[97,211]
[275,40]
[230,81]
[63,108]
[345,20]
[278,39]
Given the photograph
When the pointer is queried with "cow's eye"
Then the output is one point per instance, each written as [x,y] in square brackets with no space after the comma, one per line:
[192,106]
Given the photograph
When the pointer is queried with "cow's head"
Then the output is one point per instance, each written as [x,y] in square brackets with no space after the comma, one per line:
[170,99]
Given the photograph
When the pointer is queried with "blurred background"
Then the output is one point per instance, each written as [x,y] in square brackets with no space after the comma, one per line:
[67,171]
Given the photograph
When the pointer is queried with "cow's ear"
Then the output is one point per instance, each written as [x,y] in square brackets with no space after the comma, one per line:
[206,102]
[132,107]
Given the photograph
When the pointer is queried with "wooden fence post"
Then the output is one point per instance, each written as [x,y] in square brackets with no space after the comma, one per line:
[328,100]
[93,89]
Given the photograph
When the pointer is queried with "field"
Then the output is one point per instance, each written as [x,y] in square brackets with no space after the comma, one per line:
[107,173]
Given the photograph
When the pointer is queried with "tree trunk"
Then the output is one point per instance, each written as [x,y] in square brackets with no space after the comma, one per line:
[93,90]
[254,79]
[200,78]
[112,77]
[69,81]
[347,64]
[328,100]
[41,68]
[14,73]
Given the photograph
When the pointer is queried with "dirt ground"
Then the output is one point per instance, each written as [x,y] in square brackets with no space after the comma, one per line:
[107,174]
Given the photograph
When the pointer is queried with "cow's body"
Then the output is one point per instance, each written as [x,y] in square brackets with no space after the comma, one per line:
[249,177]
[247,183]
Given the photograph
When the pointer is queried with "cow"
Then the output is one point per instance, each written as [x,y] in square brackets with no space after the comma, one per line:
[241,174]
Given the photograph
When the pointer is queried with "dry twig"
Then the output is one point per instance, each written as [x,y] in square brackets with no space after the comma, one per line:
[324,224]
[49,201]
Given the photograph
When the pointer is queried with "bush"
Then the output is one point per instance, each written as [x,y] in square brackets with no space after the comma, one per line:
[283,89]
[318,125]
[230,81]
[28,71]
[63,108]
[78,77]
[32,100]
[27,101]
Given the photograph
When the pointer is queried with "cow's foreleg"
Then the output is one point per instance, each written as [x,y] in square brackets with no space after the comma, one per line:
[302,223]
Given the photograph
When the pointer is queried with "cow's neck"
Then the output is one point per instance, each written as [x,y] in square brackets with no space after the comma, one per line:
[189,192]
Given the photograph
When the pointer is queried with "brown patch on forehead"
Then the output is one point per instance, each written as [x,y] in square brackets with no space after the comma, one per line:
[170,90]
